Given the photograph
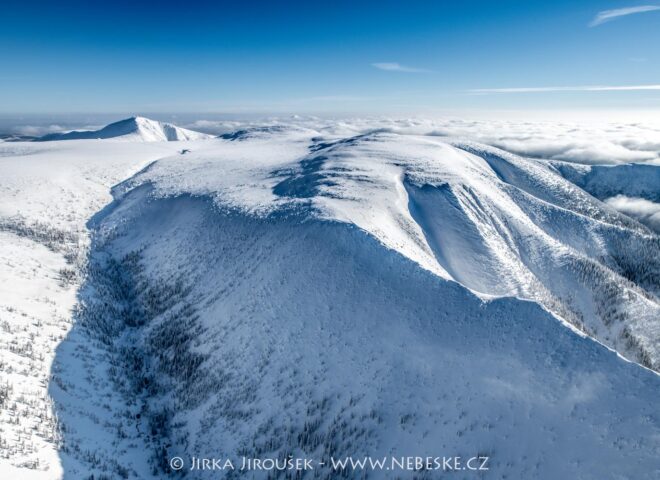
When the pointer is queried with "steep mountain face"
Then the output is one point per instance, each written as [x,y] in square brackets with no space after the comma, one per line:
[280,292]
[604,181]
[134,129]
[271,337]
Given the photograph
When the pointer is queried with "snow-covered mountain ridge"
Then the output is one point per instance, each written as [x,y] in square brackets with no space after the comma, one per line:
[497,223]
[132,129]
[288,291]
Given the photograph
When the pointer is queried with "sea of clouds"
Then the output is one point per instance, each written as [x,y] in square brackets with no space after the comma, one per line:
[590,143]
[584,142]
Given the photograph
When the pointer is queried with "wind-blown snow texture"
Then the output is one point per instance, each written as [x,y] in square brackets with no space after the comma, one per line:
[289,289]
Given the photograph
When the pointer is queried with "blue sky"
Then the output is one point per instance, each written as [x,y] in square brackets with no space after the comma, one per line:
[327,56]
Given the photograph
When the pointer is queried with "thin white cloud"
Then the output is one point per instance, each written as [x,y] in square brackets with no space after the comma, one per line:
[397,67]
[38,130]
[609,15]
[336,98]
[583,88]
[644,211]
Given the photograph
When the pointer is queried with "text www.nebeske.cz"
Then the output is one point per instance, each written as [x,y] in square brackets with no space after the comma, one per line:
[411,463]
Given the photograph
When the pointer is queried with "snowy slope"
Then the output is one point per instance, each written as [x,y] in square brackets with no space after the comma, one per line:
[47,194]
[133,129]
[631,189]
[604,181]
[297,290]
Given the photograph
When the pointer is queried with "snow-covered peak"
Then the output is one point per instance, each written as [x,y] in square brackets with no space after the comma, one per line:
[134,128]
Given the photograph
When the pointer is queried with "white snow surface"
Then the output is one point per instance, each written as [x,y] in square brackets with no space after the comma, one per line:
[322,288]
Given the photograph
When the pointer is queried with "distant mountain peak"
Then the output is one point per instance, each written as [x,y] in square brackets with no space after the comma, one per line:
[134,128]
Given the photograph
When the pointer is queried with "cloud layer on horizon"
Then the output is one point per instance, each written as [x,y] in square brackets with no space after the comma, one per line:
[585,143]
[589,143]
